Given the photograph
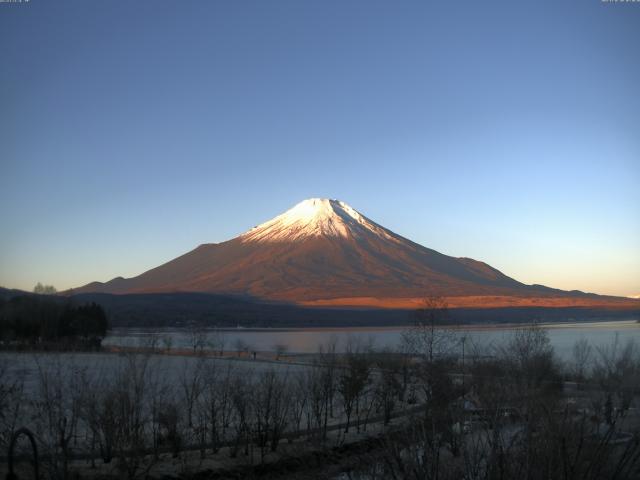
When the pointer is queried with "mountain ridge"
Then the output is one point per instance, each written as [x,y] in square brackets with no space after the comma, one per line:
[318,252]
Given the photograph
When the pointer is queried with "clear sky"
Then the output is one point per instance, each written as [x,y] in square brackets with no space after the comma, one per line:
[509,132]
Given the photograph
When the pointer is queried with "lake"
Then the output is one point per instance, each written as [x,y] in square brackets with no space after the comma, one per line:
[308,340]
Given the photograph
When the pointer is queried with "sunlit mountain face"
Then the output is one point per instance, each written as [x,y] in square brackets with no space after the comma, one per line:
[324,252]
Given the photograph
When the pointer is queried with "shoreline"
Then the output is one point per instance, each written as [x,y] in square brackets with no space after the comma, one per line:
[382,328]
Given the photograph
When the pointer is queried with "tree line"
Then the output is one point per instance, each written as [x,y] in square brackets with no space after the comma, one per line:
[43,321]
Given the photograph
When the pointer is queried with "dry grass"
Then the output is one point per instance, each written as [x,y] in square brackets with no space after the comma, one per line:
[496,301]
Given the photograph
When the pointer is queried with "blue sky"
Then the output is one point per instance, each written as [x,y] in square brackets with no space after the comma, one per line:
[130,132]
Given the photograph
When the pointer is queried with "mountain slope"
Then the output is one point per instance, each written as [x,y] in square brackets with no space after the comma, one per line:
[322,250]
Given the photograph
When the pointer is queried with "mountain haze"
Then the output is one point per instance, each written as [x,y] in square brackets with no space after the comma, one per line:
[323,251]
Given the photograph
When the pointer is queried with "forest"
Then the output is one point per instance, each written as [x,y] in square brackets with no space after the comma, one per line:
[46,322]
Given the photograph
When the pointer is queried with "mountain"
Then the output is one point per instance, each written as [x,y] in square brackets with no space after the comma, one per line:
[324,252]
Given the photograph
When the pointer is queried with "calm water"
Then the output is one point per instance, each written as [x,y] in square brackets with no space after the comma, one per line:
[308,340]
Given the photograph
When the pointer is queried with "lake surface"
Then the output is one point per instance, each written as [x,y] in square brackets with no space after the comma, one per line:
[308,340]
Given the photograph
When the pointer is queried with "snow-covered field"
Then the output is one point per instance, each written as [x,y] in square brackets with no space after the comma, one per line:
[25,367]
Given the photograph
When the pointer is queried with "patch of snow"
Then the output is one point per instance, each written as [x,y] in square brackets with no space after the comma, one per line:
[316,217]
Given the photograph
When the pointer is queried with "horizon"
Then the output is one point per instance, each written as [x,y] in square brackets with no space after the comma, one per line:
[304,214]
[132,134]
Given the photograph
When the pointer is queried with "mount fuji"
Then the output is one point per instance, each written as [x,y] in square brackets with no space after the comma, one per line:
[323,252]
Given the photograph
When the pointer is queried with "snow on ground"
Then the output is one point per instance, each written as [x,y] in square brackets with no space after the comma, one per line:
[25,366]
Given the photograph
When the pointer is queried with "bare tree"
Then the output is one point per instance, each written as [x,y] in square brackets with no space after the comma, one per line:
[97,411]
[167,342]
[299,399]
[149,342]
[241,346]
[197,338]
[530,358]
[431,336]
[352,380]
[581,355]
[280,413]
[270,410]
[217,342]
[57,407]
[11,402]
[617,370]
[131,389]
[192,386]
[389,387]
[322,382]
[219,402]
[280,349]
[242,412]
[167,419]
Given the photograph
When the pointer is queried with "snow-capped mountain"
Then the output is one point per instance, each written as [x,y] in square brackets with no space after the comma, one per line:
[322,250]
[317,217]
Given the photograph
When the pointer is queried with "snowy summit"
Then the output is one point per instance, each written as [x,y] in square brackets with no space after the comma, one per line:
[316,217]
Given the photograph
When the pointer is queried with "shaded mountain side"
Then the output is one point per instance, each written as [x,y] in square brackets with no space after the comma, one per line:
[6,293]
[182,309]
